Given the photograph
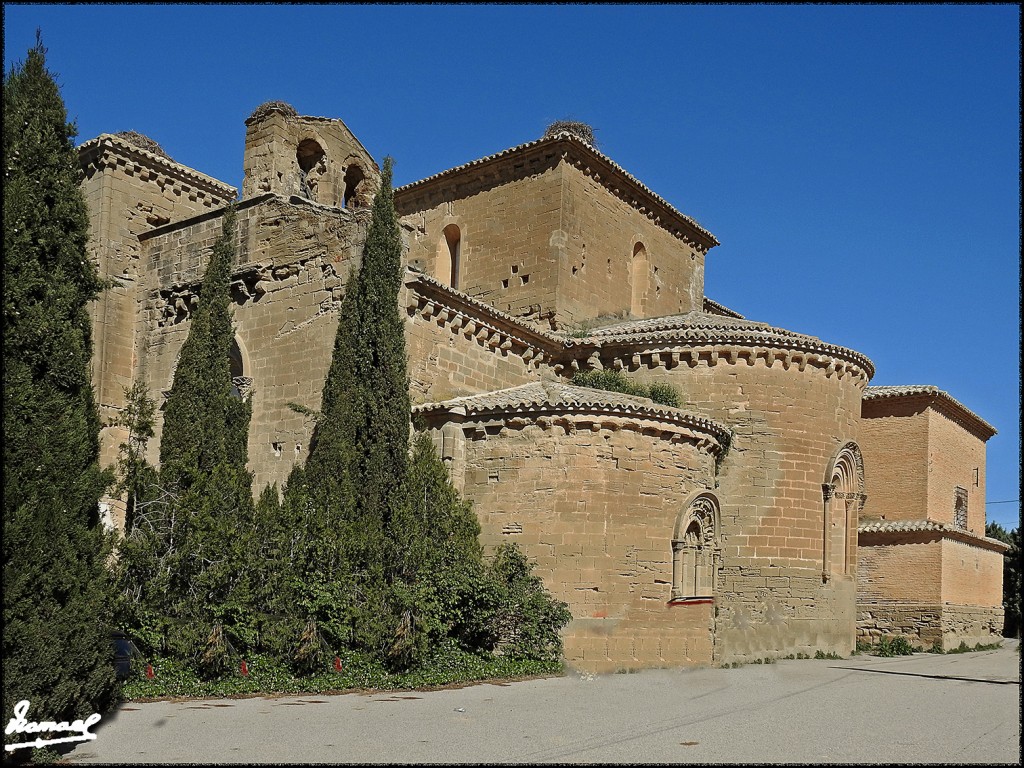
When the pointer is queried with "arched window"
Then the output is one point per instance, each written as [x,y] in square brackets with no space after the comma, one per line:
[696,550]
[353,181]
[240,383]
[639,280]
[447,266]
[312,165]
[844,497]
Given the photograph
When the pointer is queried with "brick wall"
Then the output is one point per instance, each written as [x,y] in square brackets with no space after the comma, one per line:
[903,568]
[955,457]
[971,576]
[894,442]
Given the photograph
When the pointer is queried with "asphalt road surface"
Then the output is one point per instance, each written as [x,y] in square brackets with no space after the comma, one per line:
[962,708]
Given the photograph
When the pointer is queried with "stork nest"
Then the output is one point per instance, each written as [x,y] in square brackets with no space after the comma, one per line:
[141,141]
[576,128]
[267,107]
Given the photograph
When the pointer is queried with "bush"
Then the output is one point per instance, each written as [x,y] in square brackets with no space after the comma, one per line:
[616,381]
[893,646]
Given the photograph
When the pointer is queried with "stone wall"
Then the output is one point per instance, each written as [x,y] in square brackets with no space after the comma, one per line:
[789,422]
[129,191]
[596,506]
[555,238]
[312,157]
[507,244]
[457,346]
[924,624]
[293,261]
[615,261]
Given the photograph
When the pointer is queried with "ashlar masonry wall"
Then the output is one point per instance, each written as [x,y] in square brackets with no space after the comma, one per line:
[616,261]
[596,505]
[543,237]
[129,191]
[507,249]
[788,576]
[293,260]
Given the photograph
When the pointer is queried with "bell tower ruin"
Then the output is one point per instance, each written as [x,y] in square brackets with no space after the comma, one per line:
[315,158]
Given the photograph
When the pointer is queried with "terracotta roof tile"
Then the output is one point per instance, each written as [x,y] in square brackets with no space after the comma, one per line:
[557,395]
[918,390]
[915,526]
[573,138]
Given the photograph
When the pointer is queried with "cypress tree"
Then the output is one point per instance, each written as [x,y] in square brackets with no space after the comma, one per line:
[353,480]
[186,566]
[57,593]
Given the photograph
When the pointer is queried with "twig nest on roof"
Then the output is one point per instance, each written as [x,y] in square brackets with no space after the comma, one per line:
[576,128]
[267,107]
[137,139]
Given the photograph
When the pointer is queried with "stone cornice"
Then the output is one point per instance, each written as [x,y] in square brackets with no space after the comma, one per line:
[578,408]
[925,395]
[106,145]
[585,158]
[462,313]
[665,347]
[697,336]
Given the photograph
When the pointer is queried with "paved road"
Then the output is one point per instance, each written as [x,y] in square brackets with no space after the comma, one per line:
[962,708]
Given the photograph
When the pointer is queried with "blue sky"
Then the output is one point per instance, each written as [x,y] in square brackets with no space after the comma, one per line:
[859,164]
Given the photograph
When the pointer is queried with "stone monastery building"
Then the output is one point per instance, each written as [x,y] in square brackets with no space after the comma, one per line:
[788,507]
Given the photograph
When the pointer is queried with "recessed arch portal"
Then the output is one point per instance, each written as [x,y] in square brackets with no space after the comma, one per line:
[696,549]
[843,494]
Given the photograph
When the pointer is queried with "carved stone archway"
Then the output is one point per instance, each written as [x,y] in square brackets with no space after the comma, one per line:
[843,498]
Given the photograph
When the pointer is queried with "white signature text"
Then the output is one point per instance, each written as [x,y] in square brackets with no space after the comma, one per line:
[21,724]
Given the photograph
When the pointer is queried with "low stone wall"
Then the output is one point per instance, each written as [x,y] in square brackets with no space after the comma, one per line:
[924,624]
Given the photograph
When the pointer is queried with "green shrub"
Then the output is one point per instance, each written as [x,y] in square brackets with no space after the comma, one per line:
[616,381]
[893,646]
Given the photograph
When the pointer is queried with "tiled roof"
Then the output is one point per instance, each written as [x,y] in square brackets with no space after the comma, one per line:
[578,142]
[915,526]
[712,307]
[154,160]
[706,328]
[918,390]
[558,396]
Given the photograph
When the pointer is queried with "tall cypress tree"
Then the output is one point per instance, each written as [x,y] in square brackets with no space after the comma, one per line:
[57,593]
[186,566]
[353,480]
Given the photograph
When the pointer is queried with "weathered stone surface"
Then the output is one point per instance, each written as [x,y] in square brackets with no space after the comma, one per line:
[723,531]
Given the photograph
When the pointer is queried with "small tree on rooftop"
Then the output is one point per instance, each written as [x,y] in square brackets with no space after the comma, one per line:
[57,594]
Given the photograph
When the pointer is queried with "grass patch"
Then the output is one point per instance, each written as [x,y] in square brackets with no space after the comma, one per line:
[964,648]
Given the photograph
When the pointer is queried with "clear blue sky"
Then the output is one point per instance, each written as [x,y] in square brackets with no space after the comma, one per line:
[859,164]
